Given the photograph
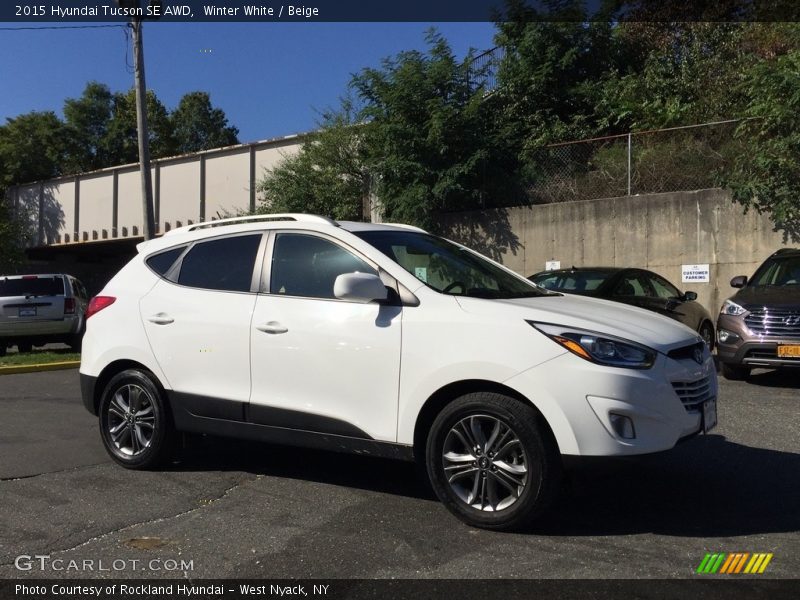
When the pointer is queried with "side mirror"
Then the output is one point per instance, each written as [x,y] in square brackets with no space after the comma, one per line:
[739,281]
[359,287]
[689,296]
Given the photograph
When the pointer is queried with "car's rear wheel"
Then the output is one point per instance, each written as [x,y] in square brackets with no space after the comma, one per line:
[24,347]
[706,332]
[735,372]
[2,349]
[134,422]
[492,462]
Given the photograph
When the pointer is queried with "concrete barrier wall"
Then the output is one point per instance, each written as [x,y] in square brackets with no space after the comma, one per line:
[107,204]
[659,232]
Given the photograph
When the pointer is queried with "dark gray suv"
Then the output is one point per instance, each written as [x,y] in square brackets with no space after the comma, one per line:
[40,309]
[759,326]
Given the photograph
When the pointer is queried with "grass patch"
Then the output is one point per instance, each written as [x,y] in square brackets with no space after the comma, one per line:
[38,357]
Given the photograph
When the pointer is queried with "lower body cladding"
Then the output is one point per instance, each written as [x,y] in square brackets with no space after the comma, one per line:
[607,411]
[592,411]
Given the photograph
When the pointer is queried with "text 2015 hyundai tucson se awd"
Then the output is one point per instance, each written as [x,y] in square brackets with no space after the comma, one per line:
[384,340]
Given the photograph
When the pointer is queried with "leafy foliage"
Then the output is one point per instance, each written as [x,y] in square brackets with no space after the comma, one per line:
[767,177]
[99,130]
[327,176]
[197,125]
[425,143]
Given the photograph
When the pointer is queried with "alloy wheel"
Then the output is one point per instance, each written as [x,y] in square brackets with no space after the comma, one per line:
[485,463]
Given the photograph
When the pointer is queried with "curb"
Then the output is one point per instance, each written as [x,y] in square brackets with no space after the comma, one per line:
[57,366]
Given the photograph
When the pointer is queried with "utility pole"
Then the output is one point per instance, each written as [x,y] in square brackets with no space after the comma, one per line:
[149,229]
[141,126]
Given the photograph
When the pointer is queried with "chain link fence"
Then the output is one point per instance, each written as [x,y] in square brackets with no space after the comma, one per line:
[665,160]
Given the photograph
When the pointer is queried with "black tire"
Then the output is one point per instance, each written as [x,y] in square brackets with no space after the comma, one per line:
[153,443]
[535,449]
[2,349]
[76,342]
[735,372]
[706,332]
[24,347]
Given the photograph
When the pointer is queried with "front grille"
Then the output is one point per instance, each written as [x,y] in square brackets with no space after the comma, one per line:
[693,393]
[774,323]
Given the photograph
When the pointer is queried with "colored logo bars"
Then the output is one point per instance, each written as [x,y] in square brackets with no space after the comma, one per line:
[737,562]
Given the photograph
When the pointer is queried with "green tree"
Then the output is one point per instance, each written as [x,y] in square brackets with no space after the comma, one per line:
[122,138]
[197,125]
[551,76]
[431,144]
[10,241]
[32,148]
[327,176]
[87,120]
[767,177]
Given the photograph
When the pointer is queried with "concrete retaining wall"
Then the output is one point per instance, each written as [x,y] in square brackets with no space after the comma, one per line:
[659,232]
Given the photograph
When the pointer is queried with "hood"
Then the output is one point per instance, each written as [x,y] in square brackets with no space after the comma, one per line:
[602,316]
[768,296]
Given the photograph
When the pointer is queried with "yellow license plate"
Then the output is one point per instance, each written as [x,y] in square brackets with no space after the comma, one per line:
[789,351]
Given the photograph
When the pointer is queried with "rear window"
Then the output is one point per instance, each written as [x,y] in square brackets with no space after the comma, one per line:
[38,286]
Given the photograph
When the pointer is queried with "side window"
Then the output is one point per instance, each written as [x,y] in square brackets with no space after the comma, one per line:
[631,285]
[663,288]
[161,262]
[223,264]
[79,290]
[307,266]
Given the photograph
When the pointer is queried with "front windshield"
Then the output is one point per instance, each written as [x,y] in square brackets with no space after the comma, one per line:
[571,281]
[448,268]
[778,272]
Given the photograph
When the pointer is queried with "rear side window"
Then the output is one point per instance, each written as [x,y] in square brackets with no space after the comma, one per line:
[161,262]
[32,286]
[224,264]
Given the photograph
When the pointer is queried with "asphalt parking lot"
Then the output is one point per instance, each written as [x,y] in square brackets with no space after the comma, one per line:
[234,509]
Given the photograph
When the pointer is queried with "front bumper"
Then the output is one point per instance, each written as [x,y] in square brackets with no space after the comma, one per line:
[579,400]
[752,350]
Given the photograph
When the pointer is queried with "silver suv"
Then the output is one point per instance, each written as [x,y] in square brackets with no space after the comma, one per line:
[41,309]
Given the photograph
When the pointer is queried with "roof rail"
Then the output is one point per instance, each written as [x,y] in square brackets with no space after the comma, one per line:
[404,226]
[299,217]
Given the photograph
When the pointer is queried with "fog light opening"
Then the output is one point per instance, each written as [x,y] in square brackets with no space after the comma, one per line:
[623,426]
[726,337]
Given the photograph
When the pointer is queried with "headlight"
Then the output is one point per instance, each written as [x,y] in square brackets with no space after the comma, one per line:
[599,348]
[731,308]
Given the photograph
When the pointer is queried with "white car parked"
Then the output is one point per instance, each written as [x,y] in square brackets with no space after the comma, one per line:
[384,340]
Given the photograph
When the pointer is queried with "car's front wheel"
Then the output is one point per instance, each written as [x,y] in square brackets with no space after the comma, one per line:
[707,333]
[735,372]
[134,423]
[492,462]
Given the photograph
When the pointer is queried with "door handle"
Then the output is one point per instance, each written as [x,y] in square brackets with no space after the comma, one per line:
[272,327]
[160,319]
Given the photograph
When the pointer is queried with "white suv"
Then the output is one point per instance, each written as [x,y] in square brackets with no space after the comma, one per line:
[383,340]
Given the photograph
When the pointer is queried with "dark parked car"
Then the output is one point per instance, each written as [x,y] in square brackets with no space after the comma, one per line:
[759,326]
[637,287]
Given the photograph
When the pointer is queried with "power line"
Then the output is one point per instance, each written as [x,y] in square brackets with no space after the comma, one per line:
[59,27]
